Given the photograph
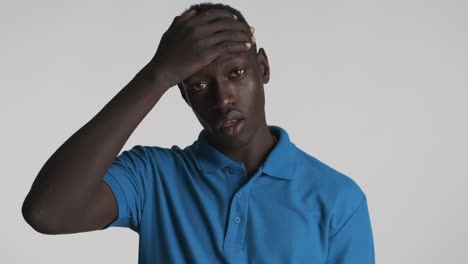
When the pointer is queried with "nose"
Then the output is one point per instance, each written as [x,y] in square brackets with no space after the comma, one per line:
[224,96]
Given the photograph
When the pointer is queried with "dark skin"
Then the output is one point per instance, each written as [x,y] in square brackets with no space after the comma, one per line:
[222,92]
[69,196]
[234,83]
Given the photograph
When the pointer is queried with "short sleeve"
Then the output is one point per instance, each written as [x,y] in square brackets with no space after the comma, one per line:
[129,177]
[353,241]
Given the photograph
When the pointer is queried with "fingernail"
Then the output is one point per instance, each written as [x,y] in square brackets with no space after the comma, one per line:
[235,17]
[248,44]
[253,39]
[252,29]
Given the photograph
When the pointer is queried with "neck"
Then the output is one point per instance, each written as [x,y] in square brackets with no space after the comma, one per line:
[254,154]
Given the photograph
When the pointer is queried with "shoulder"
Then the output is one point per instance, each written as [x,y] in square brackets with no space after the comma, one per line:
[159,157]
[156,152]
[146,153]
[340,194]
[330,179]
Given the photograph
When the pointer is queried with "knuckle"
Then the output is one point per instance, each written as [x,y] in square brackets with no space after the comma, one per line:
[199,44]
[244,27]
[247,29]
[237,35]
[226,46]
[204,53]
[218,48]
[229,34]
[243,36]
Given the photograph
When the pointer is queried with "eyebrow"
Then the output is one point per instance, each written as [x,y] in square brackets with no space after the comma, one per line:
[225,59]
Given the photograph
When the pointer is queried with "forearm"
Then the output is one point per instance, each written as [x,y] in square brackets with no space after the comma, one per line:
[66,182]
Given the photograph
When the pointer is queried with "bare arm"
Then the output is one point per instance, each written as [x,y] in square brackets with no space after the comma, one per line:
[69,180]
[68,194]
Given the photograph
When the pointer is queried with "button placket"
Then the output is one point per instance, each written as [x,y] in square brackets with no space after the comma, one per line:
[235,235]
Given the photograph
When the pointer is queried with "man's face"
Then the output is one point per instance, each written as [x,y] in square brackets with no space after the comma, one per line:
[230,87]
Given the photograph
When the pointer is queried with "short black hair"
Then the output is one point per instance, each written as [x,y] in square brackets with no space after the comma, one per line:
[209,5]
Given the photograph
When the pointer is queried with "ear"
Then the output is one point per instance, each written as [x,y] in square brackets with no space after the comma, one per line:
[264,65]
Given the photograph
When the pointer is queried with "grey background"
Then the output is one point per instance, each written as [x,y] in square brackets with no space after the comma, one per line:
[375,89]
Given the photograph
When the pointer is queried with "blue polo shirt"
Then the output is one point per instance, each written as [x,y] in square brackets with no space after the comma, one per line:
[195,205]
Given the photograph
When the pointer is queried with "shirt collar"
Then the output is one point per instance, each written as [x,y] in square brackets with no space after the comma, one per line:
[279,163]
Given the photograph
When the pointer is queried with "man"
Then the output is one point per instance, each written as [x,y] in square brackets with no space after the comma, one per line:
[241,193]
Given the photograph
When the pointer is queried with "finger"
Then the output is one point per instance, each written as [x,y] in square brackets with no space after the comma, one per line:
[224,24]
[182,18]
[229,35]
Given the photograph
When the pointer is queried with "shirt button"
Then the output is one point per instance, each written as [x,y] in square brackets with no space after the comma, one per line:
[238,195]
[232,170]
[237,220]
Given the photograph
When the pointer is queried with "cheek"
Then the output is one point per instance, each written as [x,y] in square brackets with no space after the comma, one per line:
[255,97]
[200,113]
[197,110]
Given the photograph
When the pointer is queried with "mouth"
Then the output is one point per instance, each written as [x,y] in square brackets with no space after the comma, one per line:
[230,122]
[232,127]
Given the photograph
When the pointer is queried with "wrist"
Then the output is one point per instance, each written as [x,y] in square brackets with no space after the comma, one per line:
[152,72]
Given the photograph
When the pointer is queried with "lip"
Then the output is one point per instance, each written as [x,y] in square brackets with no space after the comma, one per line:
[232,127]
[231,122]
[229,119]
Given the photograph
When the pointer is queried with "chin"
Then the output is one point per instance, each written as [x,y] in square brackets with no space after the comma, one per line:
[233,137]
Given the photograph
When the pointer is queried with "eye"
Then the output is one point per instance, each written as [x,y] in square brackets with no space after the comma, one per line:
[238,72]
[199,86]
